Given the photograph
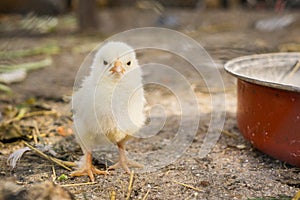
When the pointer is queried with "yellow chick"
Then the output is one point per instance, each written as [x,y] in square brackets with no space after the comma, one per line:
[109,106]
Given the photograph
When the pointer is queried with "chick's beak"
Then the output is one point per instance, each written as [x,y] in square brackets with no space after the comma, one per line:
[117,68]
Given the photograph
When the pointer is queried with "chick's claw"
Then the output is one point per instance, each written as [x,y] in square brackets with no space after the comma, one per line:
[88,168]
[90,171]
[125,164]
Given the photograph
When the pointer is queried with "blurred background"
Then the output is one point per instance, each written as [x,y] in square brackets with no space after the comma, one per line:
[43,42]
[88,12]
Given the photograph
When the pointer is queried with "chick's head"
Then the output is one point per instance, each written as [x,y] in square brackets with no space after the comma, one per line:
[114,59]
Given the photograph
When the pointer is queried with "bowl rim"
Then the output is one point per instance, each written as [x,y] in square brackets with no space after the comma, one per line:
[229,68]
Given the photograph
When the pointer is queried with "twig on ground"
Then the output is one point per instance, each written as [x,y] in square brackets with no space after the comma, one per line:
[31,137]
[146,195]
[30,114]
[37,131]
[26,66]
[225,132]
[61,163]
[113,195]
[34,136]
[5,88]
[48,50]
[129,190]
[53,173]
[41,112]
[297,196]
[78,184]
[188,186]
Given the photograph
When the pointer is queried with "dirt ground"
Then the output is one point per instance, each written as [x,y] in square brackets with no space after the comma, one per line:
[232,170]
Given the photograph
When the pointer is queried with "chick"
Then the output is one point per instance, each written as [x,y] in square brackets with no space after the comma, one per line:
[109,106]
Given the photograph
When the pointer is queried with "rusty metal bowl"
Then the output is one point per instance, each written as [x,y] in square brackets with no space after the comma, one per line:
[268,98]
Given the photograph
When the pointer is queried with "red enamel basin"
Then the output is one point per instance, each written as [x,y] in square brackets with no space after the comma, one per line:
[268,111]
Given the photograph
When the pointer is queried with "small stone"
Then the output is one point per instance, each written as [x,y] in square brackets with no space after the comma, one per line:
[241,146]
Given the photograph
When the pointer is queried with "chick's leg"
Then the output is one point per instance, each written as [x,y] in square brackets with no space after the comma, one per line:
[123,162]
[88,168]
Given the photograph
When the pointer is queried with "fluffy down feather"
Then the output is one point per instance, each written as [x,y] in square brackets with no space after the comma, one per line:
[109,106]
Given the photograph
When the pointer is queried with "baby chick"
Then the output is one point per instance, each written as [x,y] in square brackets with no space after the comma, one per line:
[109,106]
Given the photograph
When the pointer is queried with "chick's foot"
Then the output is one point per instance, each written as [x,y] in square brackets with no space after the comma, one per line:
[123,162]
[88,169]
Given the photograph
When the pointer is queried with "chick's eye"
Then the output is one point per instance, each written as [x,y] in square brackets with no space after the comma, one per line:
[128,63]
[105,62]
